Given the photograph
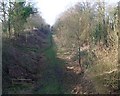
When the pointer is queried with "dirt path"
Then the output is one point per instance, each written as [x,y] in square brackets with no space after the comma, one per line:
[49,74]
[60,75]
[73,81]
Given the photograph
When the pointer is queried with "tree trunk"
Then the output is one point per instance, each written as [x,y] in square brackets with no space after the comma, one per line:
[4,18]
[9,27]
[9,19]
[118,43]
[79,57]
[119,33]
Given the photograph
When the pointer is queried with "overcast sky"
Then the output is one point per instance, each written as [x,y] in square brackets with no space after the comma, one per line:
[50,9]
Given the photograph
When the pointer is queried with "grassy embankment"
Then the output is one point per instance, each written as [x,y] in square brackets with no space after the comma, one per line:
[28,57]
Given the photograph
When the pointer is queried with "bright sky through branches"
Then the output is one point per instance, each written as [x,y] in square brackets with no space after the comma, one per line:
[50,9]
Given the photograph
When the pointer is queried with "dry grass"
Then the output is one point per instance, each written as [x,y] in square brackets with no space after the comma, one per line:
[104,73]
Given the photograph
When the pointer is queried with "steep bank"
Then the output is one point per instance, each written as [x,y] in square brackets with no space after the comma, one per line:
[20,58]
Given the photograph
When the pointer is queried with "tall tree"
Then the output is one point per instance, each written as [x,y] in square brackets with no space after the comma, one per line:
[3,18]
[15,15]
[74,27]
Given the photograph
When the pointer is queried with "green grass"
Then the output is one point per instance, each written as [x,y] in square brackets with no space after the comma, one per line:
[52,85]
[52,88]
[50,81]
[51,56]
